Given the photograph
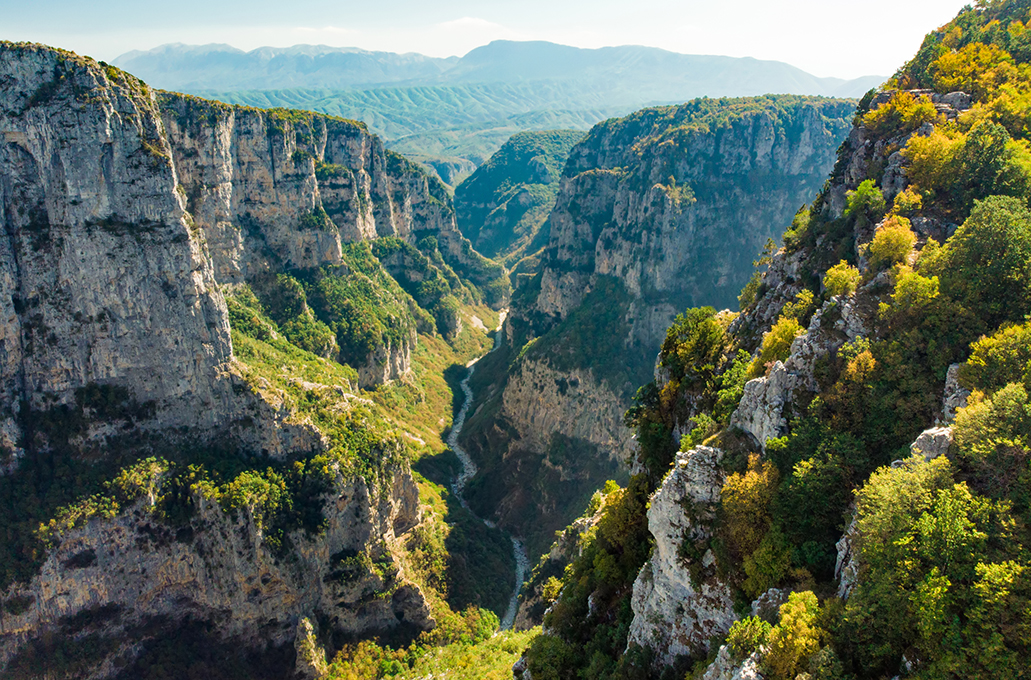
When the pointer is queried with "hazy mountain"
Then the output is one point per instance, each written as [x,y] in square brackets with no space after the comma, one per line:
[635,72]
[192,67]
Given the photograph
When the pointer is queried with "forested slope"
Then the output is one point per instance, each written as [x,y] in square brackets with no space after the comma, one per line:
[850,496]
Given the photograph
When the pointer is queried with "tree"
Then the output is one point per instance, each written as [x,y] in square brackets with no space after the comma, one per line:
[776,345]
[892,242]
[745,500]
[841,279]
[866,203]
[795,638]
[986,265]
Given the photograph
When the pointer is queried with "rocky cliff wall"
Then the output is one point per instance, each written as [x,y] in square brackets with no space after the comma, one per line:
[676,202]
[121,217]
[677,612]
[286,188]
[105,277]
[120,574]
[656,212]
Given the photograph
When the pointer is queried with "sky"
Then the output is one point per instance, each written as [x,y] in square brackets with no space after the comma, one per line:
[841,38]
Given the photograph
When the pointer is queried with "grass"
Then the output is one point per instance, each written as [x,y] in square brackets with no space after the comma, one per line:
[490,659]
[422,407]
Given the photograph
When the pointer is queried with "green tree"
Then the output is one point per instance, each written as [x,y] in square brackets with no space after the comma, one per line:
[892,242]
[866,203]
[986,265]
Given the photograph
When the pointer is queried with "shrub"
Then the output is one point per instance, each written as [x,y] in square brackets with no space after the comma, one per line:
[932,160]
[841,279]
[311,335]
[993,436]
[999,359]
[776,345]
[796,235]
[768,566]
[704,428]
[731,386]
[745,503]
[902,113]
[693,346]
[801,307]
[990,163]
[795,638]
[811,504]
[961,169]
[865,203]
[747,635]
[892,242]
[912,296]
[906,202]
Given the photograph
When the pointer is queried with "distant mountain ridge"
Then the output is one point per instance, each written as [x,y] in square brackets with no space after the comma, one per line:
[642,73]
[452,114]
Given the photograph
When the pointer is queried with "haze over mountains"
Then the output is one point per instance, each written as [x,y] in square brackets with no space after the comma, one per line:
[624,75]
[452,114]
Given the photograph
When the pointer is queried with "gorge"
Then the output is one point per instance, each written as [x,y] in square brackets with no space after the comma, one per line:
[737,387]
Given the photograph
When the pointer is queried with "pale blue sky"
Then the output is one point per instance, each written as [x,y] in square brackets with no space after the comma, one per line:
[844,38]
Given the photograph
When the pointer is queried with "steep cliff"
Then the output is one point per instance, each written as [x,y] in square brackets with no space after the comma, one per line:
[286,188]
[117,585]
[656,212]
[185,452]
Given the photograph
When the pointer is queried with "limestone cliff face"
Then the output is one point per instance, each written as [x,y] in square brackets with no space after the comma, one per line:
[547,401]
[104,277]
[288,188]
[121,217]
[676,205]
[676,611]
[124,571]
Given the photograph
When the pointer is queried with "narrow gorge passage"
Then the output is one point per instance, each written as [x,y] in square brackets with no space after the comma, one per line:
[469,470]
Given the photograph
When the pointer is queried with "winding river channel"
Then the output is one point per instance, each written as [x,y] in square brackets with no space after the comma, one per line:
[522,562]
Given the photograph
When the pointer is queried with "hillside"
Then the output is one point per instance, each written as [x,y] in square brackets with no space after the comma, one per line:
[502,206]
[833,482]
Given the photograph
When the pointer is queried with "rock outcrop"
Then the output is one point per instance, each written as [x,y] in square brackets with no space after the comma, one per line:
[955,396]
[932,443]
[217,567]
[766,402]
[677,611]
[725,667]
[571,402]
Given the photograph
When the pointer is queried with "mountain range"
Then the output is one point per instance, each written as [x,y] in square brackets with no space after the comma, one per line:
[628,74]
